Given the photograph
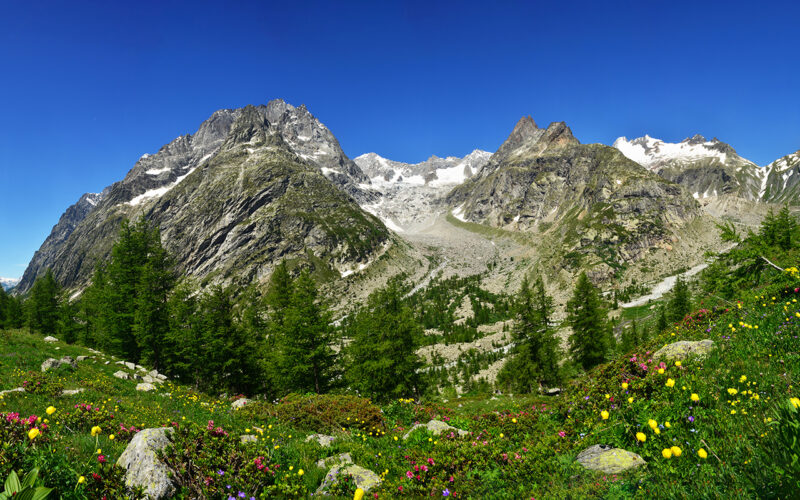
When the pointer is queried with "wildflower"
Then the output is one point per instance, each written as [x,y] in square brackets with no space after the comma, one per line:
[50,410]
[630,400]
[604,414]
[101,459]
[624,386]
[501,435]
[641,437]
[111,437]
[96,430]
[652,423]
[670,383]
[732,391]
[678,364]
[676,451]
[300,472]
[702,453]
[667,425]
[33,433]
[661,371]
[562,433]
[795,402]
[514,420]
[666,452]
[694,397]
[446,492]
[81,480]
[359,494]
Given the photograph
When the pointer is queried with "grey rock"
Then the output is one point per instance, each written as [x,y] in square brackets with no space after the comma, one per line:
[363,478]
[141,368]
[342,458]
[9,391]
[240,403]
[679,351]
[249,438]
[107,362]
[143,469]
[609,460]
[121,374]
[153,373]
[553,391]
[50,339]
[82,358]
[145,387]
[161,377]
[72,392]
[437,427]
[129,365]
[322,439]
[55,363]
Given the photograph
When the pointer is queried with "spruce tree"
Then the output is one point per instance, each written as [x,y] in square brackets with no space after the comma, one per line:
[785,227]
[307,359]
[591,339]
[151,315]
[43,305]
[680,303]
[536,352]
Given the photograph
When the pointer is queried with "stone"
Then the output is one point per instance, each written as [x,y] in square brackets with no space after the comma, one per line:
[341,458]
[609,460]
[249,438]
[553,391]
[364,478]
[143,469]
[9,391]
[145,387]
[107,362]
[72,392]
[82,358]
[55,363]
[129,365]
[121,374]
[50,339]
[436,427]
[122,363]
[68,360]
[161,377]
[50,363]
[148,379]
[683,349]
[324,440]
[153,373]
[141,368]
[240,403]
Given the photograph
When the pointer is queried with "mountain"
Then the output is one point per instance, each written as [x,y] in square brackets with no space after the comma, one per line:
[590,204]
[8,283]
[250,187]
[783,180]
[409,194]
[707,169]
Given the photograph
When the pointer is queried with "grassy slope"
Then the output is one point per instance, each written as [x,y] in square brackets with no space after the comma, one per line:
[533,455]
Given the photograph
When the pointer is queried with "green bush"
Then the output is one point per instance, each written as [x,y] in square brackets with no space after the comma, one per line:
[319,412]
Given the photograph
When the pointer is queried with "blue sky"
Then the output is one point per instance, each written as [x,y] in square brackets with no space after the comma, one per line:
[88,87]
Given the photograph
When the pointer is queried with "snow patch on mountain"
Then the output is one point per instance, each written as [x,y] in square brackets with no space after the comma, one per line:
[651,153]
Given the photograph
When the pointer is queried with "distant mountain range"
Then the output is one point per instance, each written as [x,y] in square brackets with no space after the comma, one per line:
[260,184]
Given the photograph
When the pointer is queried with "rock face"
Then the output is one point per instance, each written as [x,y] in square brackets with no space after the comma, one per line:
[142,465]
[437,427]
[364,478]
[590,205]
[251,187]
[609,460]
[782,184]
[679,351]
[707,169]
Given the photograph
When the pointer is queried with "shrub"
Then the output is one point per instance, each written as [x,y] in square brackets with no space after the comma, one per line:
[320,412]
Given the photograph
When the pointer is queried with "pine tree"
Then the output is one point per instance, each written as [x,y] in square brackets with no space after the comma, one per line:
[383,361]
[680,303]
[536,352]
[630,338]
[307,359]
[591,339]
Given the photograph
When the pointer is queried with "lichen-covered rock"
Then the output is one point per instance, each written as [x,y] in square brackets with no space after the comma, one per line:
[240,403]
[49,363]
[50,339]
[364,478]
[436,427]
[143,469]
[145,387]
[55,363]
[609,460]
[323,439]
[341,458]
[161,377]
[121,374]
[679,351]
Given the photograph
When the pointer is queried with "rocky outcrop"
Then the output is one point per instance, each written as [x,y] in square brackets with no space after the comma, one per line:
[55,363]
[678,351]
[437,427]
[143,469]
[609,460]
[363,478]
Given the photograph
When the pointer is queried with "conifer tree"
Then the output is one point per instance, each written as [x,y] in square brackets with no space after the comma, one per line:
[662,320]
[307,358]
[43,305]
[151,316]
[536,353]
[591,339]
[383,361]
[680,303]
[785,227]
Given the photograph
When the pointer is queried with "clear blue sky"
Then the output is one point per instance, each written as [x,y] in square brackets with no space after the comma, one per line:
[88,87]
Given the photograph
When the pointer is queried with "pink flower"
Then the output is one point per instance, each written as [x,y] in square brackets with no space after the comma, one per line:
[101,459]
[409,475]
[560,433]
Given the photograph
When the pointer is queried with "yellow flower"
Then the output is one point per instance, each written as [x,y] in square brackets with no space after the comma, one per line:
[652,423]
[702,453]
[732,391]
[624,386]
[604,415]
[514,420]
[81,480]
[300,472]
[50,410]
[795,402]
[111,437]
[501,435]
[676,451]
[667,453]
[670,383]
[291,467]
[33,433]
[630,400]
[742,378]
[359,494]
[96,430]
[667,425]
[695,397]
[678,363]
[641,437]
[657,430]
[99,451]
[661,371]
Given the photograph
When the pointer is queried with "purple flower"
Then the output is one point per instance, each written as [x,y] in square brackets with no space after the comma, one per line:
[690,419]
[242,495]
[220,472]
[446,492]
